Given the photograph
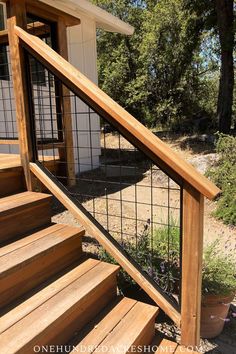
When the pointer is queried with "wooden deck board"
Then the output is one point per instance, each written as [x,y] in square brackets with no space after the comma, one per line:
[13,160]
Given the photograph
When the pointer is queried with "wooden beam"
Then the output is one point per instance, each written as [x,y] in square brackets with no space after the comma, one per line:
[167,159]
[37,29]
[48,146]
[16,13]
[106,243]
[67,152]
[192,249]
[9,142]
[50,13]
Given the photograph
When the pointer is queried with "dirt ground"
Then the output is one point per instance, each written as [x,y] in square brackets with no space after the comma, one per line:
[199,152]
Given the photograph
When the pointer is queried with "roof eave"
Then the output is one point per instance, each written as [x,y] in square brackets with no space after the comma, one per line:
[102,18]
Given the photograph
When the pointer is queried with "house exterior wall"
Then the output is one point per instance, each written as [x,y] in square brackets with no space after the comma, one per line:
[83,55]
[86,125]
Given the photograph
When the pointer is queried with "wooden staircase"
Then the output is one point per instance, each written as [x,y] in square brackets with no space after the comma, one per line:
[51,294]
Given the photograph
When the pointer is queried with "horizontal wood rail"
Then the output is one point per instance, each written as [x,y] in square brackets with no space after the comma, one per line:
[162,155]
[9,141]
[59,191]
[38,29]
[48,146]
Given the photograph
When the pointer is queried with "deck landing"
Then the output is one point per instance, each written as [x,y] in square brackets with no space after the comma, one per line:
[9,161]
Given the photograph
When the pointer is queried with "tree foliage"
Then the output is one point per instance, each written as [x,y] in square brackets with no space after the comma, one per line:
[166,73]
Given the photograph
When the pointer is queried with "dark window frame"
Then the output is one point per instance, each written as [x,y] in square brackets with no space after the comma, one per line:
[4,67]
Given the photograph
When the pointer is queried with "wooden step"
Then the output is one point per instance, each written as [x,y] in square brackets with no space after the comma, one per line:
[136,329]
[164,345]
[27,262]
[23,212]
[117,328]
[11,181]
[55,312]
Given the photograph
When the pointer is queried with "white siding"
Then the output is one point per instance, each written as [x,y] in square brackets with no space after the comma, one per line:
[83,55]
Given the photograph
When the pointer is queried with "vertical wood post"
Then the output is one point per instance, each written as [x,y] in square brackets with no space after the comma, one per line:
[192,248]
[68,154]
[16,13]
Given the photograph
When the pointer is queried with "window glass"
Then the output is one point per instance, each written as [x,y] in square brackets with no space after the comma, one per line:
[2,20]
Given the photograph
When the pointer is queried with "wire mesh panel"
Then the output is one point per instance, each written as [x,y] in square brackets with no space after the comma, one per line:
[8,124]
[131,198]
[8,129]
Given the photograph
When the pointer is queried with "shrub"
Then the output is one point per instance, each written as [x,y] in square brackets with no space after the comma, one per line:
[218,273]
[224,175]
[158,256]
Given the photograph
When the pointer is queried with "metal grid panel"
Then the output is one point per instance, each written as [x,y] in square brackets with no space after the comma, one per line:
[8,128]
[133,199]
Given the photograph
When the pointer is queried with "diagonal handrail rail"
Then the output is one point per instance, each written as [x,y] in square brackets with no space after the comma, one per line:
[168,160]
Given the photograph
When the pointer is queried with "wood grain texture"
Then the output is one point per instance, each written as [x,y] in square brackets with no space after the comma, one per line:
[192,249]
[55,320]
[9,142]
[166,346]
[16,15]
[67,152]
[11,181]
[97,331]
[132,129]
[136,325]
[107,244]
[30,304]
[22,213]
[28,266]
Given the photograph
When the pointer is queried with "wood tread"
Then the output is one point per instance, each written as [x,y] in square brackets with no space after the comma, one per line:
[65,303]
[119,327]
[17,201]
[24,251]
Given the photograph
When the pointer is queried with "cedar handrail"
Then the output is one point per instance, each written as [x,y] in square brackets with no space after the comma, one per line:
[171,163]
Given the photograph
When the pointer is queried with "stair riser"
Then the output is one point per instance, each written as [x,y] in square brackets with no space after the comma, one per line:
[19,222]
[27,276]
[11,182]
[146,338]
[72,321]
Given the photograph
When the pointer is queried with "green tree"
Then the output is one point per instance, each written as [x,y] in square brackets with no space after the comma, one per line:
[171,39]
[118,64]
[166,73]
[225,24]
[218,16]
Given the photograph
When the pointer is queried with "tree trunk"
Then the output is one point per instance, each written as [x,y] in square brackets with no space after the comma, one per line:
[225,21]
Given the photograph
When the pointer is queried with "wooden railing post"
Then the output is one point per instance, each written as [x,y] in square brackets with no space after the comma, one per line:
[192,248]
[67,154]
[16,13]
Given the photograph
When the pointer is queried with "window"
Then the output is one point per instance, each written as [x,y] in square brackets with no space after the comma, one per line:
[2,18]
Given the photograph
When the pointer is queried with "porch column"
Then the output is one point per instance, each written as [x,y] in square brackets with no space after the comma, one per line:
[16,15]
